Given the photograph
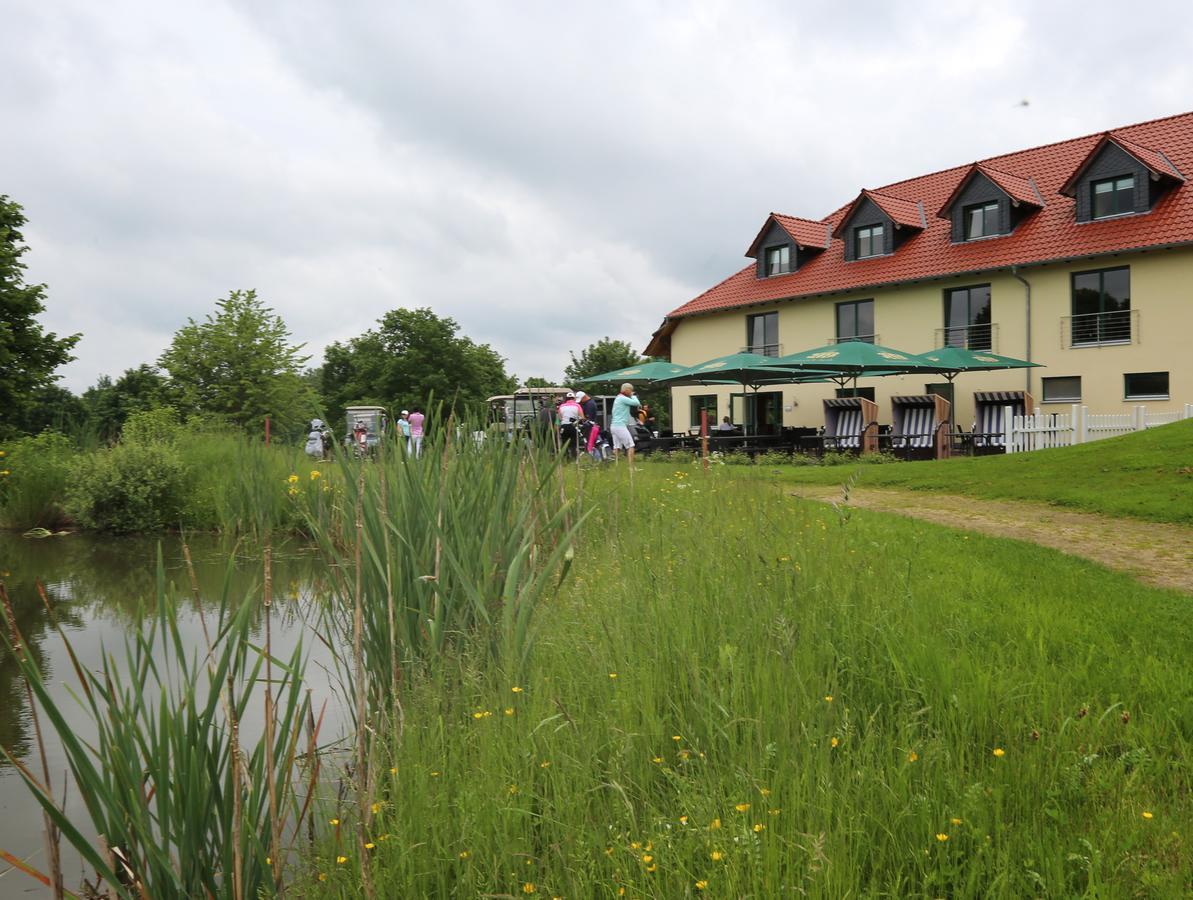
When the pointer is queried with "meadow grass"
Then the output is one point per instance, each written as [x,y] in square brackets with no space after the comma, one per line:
[1147,475]
[742,694]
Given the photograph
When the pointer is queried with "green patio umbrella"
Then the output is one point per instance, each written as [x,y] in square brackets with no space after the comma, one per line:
[646,373]
[952,361]
[750,370]
[851,359]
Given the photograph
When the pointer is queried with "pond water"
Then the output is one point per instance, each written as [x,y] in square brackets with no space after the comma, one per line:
[100,588]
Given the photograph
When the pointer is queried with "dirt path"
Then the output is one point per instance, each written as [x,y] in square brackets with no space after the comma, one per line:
[1155,553]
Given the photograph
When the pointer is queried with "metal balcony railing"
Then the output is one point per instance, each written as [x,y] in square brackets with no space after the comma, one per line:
[865,338]
[764,349]
[969,337]
[1119,326]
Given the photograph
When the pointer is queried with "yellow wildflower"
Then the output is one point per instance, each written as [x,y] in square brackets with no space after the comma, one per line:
[701,884]
[742,807]
[758,827]
[676,737]
[509,710]
[293,479]
[834,742]
[334,821]
[657,760]
[653,867]
[529,888]
[545,764]
[828,698]
[999,752]
[370,845]
[434,774]
[765,792]
[1146,814]
[293,492]
[323,876]
[316,474]
[612,674]
[954,821]
[635,845]
[516,689]
[683,820]
[717,856]
[375,808]
[393,770]
[715,824]
[912,756]
[942,837]
[464,854]
[513,789]
[268,861]
[773,812]
[647,858]
[340,860]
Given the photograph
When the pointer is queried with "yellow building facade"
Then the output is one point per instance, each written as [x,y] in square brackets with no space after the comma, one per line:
[1029,319]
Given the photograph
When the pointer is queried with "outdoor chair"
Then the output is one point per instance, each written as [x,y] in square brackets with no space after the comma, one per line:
[919,426]
[851,423]
[989,429]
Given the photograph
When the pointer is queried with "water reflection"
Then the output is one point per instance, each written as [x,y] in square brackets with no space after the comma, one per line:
[99,588]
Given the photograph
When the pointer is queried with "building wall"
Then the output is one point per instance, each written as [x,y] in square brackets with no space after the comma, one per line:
[907,318]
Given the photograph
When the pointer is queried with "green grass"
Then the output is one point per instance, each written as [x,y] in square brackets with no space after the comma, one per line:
[907,710]
[1148,475]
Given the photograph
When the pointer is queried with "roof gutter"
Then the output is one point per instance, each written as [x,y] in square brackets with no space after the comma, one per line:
[1027,311]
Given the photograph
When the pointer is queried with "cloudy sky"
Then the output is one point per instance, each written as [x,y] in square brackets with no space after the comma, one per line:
[545,173]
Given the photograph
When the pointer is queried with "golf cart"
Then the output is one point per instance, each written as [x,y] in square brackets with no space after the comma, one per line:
[366,427]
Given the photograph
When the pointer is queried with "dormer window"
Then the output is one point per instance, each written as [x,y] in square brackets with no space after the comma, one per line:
[867,241]
[778,260]
[1113,196]
[981,220]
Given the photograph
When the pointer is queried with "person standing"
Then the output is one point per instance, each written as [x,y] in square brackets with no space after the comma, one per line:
[589,406]
[570,414]
[624,405]
[417,422]
[404,428]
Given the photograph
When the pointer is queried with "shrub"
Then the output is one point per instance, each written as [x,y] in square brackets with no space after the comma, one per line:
[131,487]
[150,427]
[34,487]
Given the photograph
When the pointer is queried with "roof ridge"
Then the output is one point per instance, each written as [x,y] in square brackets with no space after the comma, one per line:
[1180,115]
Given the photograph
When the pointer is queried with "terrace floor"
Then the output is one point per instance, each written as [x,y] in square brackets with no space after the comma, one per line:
[1157,554]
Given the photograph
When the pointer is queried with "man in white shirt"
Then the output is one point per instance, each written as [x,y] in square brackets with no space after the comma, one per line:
[624,405]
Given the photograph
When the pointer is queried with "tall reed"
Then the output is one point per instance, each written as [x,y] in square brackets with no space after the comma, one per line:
[184,804]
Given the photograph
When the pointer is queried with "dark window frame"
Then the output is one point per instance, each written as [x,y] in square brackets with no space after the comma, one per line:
[766,348]
[1127,395]
[990,209]
[694,409]
[785,265]
[1101,311]
[845,393]
[1117,192]
[1044,383]
[970,325]
[856,335]
[874,232]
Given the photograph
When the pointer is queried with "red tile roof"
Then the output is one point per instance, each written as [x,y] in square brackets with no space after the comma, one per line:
[908,213]
[1049,234]
[805,232]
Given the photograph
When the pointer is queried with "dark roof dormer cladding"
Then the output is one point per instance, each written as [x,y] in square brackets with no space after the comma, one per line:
[983,186]
[1116,157]
[898,218]
[802,237]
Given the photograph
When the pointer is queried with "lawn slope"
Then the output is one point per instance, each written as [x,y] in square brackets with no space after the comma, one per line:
[1148,475]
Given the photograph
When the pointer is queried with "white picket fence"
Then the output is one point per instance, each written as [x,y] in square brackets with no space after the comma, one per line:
[1078,426]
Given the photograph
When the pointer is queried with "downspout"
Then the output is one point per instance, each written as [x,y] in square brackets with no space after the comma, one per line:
[1027,350]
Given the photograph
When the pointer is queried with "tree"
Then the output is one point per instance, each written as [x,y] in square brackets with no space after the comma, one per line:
[412,356]
[603,356]
[239,364]
[28,354]
[537,381]
[109,403]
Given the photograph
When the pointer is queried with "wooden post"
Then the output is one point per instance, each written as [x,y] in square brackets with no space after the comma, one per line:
[267,431]
[704,436]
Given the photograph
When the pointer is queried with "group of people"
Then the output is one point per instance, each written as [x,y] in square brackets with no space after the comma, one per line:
[411,426]
[574,420]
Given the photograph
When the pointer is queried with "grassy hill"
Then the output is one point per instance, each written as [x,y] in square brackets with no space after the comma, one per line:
[1148,475]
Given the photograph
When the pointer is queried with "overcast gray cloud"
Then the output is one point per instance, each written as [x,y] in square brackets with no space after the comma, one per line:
[544,173]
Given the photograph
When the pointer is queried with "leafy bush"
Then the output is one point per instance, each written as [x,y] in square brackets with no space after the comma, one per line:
[131,487]
[33,476]
[149,427]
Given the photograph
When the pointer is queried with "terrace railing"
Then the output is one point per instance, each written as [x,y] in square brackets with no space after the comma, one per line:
[969,337]
[1119,326]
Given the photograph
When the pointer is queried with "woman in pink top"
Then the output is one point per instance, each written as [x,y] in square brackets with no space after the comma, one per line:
[416,431]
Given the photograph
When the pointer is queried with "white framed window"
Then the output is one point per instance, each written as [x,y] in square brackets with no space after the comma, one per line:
[778,260]
[1145,386]
[867,241]
[1065,389]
